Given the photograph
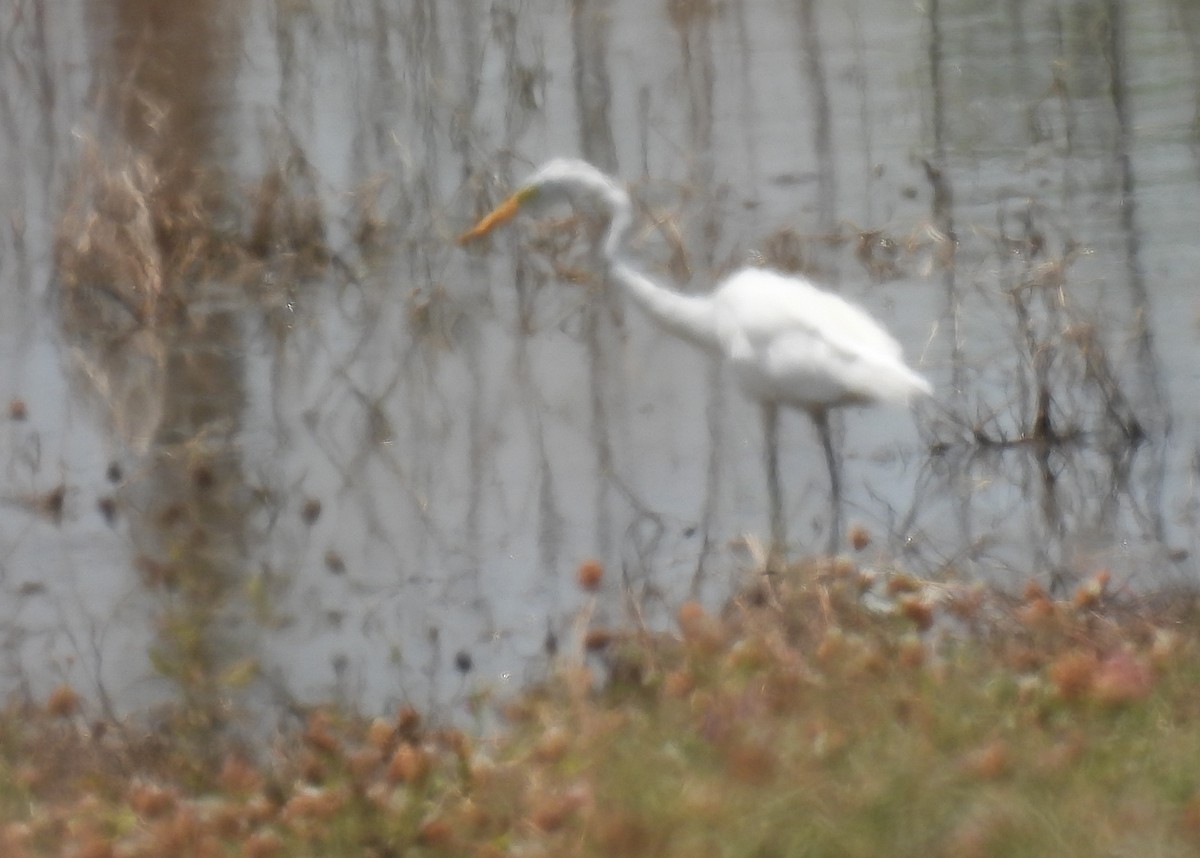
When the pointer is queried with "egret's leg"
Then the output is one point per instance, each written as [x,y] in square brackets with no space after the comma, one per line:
[770,414]
[821,419]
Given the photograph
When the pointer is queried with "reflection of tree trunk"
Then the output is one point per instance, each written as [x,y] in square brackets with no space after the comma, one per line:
[693,23]
[817,80]
[943,198]
[478,427]
[188,508]
[747,110]
[521,105]
[1189,22]
[590,28]
[1150,400]
[165,54]
[942,213]
[818,84]
[1153,401]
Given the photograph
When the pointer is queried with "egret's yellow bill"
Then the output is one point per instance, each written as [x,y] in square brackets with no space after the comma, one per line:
[498,216]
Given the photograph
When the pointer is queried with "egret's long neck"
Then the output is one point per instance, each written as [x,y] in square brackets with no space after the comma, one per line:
[690,317]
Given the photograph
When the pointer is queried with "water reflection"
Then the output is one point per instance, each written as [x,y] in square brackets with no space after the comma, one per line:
[140,246]
[352,460]
[1079,419]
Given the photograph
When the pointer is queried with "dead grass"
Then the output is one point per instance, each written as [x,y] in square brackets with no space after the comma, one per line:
[138,241]
[821,713]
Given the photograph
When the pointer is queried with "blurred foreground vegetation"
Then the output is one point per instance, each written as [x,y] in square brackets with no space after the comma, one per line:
[828,711]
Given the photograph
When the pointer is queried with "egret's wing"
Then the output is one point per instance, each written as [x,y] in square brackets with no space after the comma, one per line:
[809,368]
[792,341]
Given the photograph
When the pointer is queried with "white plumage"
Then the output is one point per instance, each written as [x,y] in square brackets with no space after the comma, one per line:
[790,342]
[786,341]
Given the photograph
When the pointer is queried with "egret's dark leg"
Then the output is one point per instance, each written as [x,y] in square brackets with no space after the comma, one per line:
[821,419]
[770,414]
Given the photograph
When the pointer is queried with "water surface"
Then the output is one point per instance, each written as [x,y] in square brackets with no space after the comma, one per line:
[273,436]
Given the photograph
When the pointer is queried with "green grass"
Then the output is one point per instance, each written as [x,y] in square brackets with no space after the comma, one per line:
[800,723]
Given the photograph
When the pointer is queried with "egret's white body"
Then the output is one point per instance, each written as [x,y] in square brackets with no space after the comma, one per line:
[786,341]
[789,342]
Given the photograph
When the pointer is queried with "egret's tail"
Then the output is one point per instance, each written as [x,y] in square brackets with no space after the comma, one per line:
[895,381]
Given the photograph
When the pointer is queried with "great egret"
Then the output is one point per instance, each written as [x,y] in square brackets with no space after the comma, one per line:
[787,342]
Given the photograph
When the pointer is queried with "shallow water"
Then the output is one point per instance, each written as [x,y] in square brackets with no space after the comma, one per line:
[348,459]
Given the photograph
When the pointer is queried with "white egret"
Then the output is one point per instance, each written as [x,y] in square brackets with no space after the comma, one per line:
[787,342]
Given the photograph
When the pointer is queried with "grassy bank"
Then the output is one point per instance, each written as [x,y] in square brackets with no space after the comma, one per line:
[826,712]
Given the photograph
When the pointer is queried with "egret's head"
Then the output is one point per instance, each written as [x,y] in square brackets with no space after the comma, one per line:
[562,180]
